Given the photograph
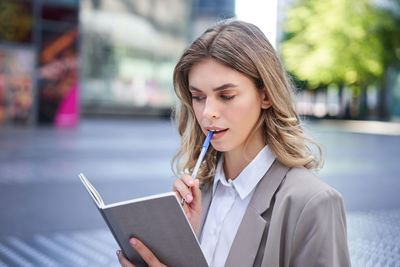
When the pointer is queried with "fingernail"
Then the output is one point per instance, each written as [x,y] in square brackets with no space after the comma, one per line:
[188,215]
[188,198]
[133,242]
[190,182]
[118,252]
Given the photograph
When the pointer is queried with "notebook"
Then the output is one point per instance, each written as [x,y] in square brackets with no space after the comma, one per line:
[158,221]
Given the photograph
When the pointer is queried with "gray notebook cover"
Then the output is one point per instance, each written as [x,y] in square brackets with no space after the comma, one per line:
[160,223]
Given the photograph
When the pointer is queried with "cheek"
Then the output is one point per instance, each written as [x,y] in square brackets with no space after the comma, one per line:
[238,112]
[197,111]
[245,115]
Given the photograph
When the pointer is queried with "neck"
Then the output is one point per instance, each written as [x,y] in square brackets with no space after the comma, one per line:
[236,160]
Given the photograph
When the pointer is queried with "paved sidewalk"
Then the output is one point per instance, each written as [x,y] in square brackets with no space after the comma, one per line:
[364,127]
[48,218]
[373,241]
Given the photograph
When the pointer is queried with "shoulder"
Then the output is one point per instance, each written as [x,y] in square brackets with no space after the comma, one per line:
[309,217]
[303,186]
[302,193]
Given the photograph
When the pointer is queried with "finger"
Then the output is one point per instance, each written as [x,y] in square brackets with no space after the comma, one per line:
[123,261]
[175,187]
[184,205]
[188,180]
[144,252]
[196,203]
[183,190]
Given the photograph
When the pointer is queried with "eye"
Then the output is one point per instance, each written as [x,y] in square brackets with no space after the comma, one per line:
[227,97]
[197,97]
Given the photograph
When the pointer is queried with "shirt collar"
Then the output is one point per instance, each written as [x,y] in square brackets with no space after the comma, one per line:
[248,179]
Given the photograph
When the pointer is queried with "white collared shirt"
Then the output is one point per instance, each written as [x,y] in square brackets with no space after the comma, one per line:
[229,203]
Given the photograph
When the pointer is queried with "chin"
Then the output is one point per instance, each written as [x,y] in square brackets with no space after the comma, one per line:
[221,148]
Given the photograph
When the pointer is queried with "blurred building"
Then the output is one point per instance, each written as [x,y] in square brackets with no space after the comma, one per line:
[130,48]
[63,58]
[16,61]
[38,61]
[128,52]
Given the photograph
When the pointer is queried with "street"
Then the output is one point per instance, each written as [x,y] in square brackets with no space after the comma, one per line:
[48,219]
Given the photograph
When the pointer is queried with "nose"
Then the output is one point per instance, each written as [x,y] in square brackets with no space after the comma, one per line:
[211,109]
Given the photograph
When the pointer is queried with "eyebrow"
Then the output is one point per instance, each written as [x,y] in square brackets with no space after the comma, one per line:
[219,88]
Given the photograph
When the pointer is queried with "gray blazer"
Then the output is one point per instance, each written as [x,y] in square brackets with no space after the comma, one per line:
[293,219]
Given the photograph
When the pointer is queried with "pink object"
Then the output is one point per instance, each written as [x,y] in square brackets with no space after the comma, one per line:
[68,112]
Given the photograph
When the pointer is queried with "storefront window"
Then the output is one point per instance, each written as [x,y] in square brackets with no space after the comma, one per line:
[129,49]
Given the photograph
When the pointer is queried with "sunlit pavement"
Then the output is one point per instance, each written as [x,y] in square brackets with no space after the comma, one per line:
[48,219]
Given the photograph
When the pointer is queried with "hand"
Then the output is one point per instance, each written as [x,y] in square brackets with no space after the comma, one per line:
[188,188]
[143,251]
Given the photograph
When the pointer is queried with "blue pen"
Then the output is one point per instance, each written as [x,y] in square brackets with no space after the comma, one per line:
[200,159]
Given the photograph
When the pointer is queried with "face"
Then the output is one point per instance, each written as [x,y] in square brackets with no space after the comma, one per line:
[227,102]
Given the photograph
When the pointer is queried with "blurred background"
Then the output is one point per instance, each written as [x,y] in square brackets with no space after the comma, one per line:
[86,86]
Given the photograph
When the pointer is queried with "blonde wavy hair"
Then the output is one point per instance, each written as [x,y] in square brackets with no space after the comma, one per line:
[243,47]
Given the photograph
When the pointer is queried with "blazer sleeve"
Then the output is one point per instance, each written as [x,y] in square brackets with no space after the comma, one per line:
[320,237]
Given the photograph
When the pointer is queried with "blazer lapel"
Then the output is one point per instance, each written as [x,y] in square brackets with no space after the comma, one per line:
[248,237]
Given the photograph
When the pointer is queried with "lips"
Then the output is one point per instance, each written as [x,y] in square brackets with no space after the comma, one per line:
[218,132]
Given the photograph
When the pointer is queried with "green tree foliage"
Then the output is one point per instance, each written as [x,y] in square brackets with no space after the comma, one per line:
[344,42]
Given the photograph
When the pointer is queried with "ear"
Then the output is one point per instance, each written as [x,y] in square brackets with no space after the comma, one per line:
[265,102]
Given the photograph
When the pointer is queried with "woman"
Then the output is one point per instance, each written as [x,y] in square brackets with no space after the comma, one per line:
[255,201]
